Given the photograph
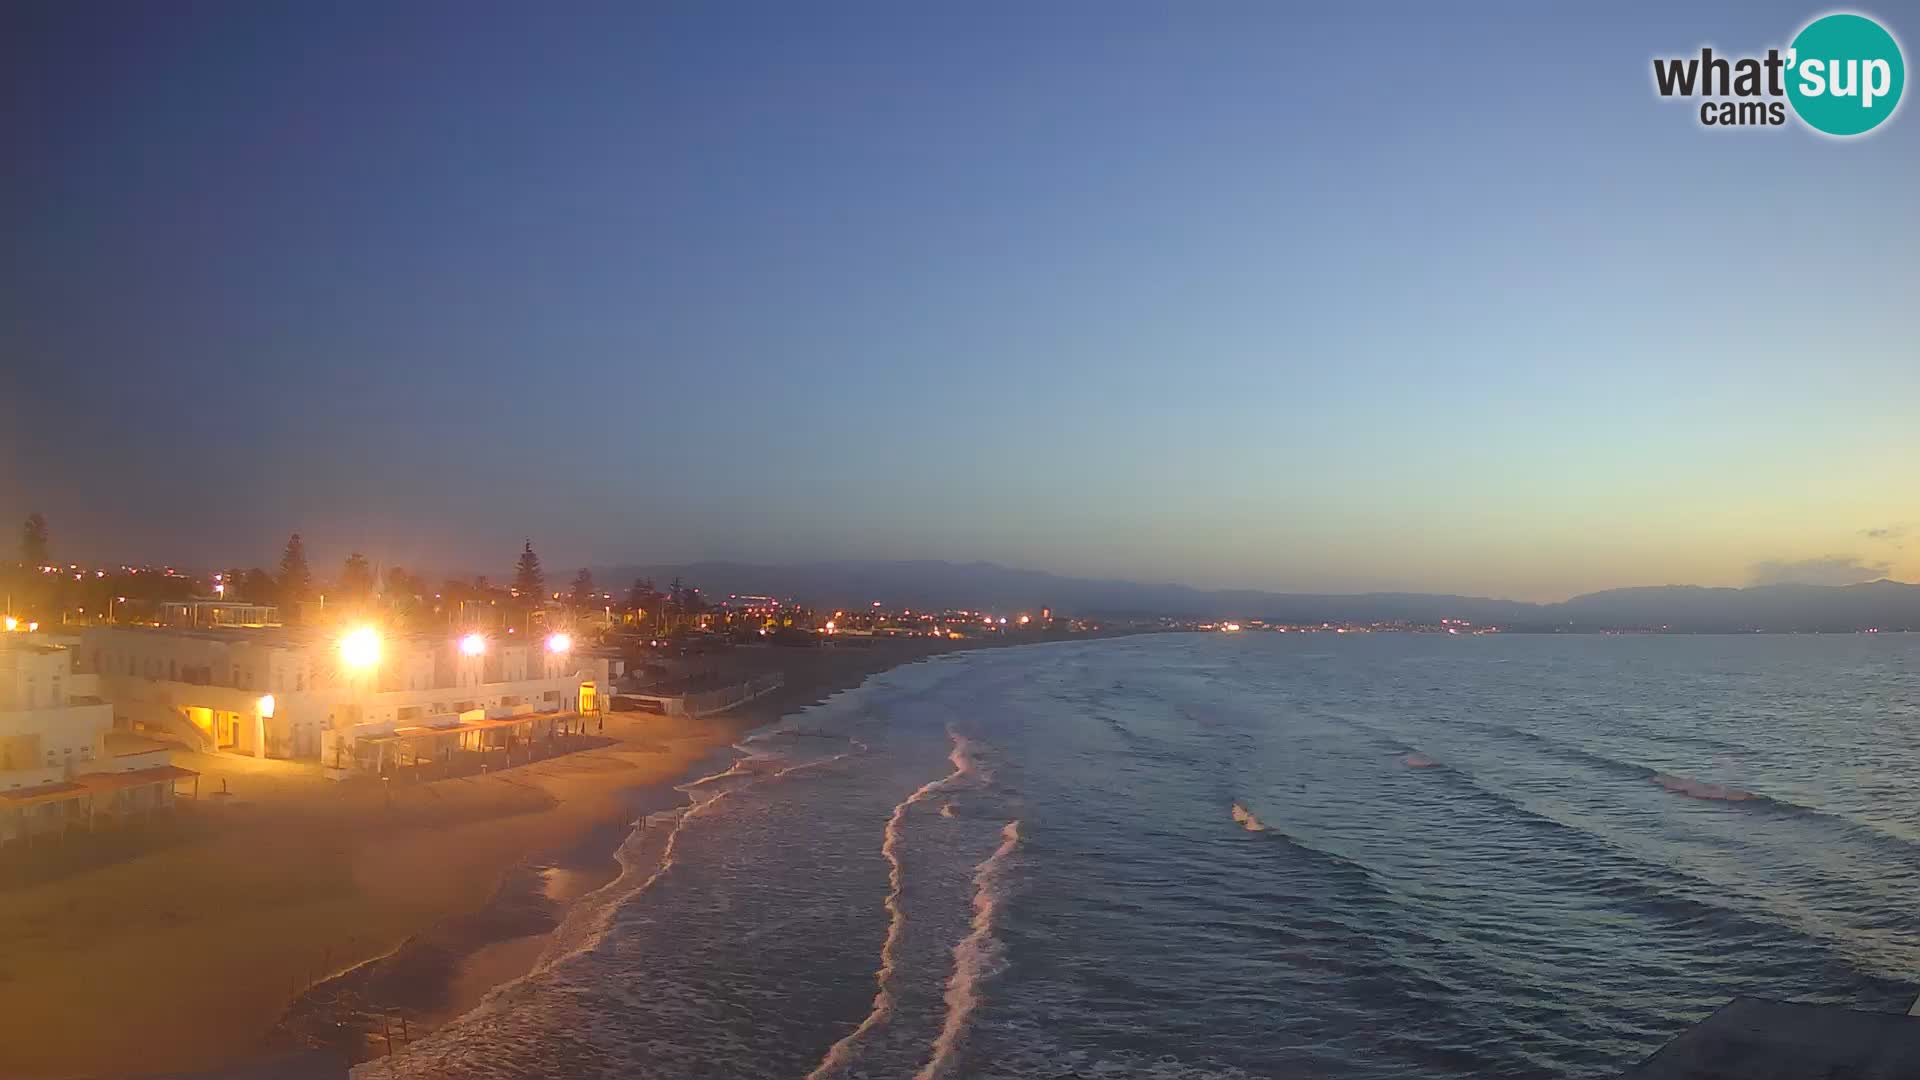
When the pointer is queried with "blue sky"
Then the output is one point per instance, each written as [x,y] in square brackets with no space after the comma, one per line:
[1230,294]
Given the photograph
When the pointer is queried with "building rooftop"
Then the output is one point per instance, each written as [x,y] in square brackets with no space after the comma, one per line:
[1756,1039]
[18,643]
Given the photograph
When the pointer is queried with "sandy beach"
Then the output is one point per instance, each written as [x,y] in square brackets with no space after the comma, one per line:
[272,911]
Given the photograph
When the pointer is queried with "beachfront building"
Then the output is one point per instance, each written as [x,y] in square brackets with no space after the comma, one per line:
[61,764]
[355,700]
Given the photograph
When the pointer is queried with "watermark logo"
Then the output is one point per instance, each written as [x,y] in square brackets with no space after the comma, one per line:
[1842,75]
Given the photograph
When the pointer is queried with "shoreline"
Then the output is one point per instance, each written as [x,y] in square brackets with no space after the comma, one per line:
[296,903]
[448,970]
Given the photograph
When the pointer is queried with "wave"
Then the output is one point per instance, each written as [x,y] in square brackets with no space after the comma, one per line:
[975,959]
[591,917]
[946,809]
[1246,819]
[1417,760]
[841,1053]
[1681,785]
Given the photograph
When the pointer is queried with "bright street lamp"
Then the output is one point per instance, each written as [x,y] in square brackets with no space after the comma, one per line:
[360,648]
[559,643]
[473,644]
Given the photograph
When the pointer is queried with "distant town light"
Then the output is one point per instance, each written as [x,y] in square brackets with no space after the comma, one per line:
[559,643]
[12,624]
[32,626]
[265,705]
[473,644]
[360,648]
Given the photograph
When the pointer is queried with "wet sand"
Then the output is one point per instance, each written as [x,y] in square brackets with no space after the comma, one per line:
[294,904]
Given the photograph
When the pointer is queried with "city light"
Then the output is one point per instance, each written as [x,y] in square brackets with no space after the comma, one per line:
[12,624]
[473,644]
[265,706]
[559,643]
[360,648]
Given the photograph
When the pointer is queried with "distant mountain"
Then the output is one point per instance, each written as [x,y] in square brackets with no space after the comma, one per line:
[932,584]
[1887,605]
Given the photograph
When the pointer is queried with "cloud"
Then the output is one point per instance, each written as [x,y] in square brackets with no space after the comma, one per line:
[1826,570]
[1891,534]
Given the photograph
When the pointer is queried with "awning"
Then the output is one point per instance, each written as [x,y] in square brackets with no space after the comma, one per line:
[58,791]
[102,782]
[461,728]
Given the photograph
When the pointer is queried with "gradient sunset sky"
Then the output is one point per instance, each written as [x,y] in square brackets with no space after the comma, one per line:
[1245,294]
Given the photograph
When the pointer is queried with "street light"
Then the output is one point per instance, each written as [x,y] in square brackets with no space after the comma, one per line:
[559,643]
[12,624]
[473,644]
[360,648]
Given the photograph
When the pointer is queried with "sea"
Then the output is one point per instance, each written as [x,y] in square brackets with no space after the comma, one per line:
[1252,855]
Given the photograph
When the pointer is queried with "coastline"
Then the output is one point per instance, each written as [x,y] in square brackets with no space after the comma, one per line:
[222,956]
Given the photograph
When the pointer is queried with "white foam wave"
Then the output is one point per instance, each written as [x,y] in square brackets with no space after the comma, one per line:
[588,923]
[976,958]
[841,1054]
[1246,819]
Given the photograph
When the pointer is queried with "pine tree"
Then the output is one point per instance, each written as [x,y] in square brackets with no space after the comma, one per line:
[33,541]
[296,581]
[527,578]
[583,594]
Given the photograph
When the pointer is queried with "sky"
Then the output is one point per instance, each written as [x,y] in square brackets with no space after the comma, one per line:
[1229,294]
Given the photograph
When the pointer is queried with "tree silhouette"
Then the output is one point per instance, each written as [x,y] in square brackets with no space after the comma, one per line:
[644,599]
[356,578]
[582,593]
[527,577]
[33,540]
[258,587]
[296,580]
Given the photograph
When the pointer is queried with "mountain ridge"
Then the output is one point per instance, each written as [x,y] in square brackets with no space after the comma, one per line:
[930,583]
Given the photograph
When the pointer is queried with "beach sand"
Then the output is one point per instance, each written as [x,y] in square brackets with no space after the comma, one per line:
[292,896]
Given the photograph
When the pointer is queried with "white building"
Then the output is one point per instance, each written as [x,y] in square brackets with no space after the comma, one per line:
[59,765]
[295,694]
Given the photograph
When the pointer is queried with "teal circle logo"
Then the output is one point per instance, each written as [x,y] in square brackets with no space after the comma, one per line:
[1845,74]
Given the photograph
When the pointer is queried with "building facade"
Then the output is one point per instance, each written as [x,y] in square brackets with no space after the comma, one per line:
[59,764]
[298,695]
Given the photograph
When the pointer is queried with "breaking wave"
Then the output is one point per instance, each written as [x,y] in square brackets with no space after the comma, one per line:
[841,1054]
[976,958]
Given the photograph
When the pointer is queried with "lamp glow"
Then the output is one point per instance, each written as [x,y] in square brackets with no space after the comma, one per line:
[265,705]
[473,644]
[559,643]
[360,648]
[12,624]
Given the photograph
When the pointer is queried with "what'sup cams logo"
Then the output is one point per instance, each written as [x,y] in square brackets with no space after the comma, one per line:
[1842,76]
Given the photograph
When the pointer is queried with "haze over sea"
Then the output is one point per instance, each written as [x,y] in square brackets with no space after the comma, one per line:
[1261,855]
